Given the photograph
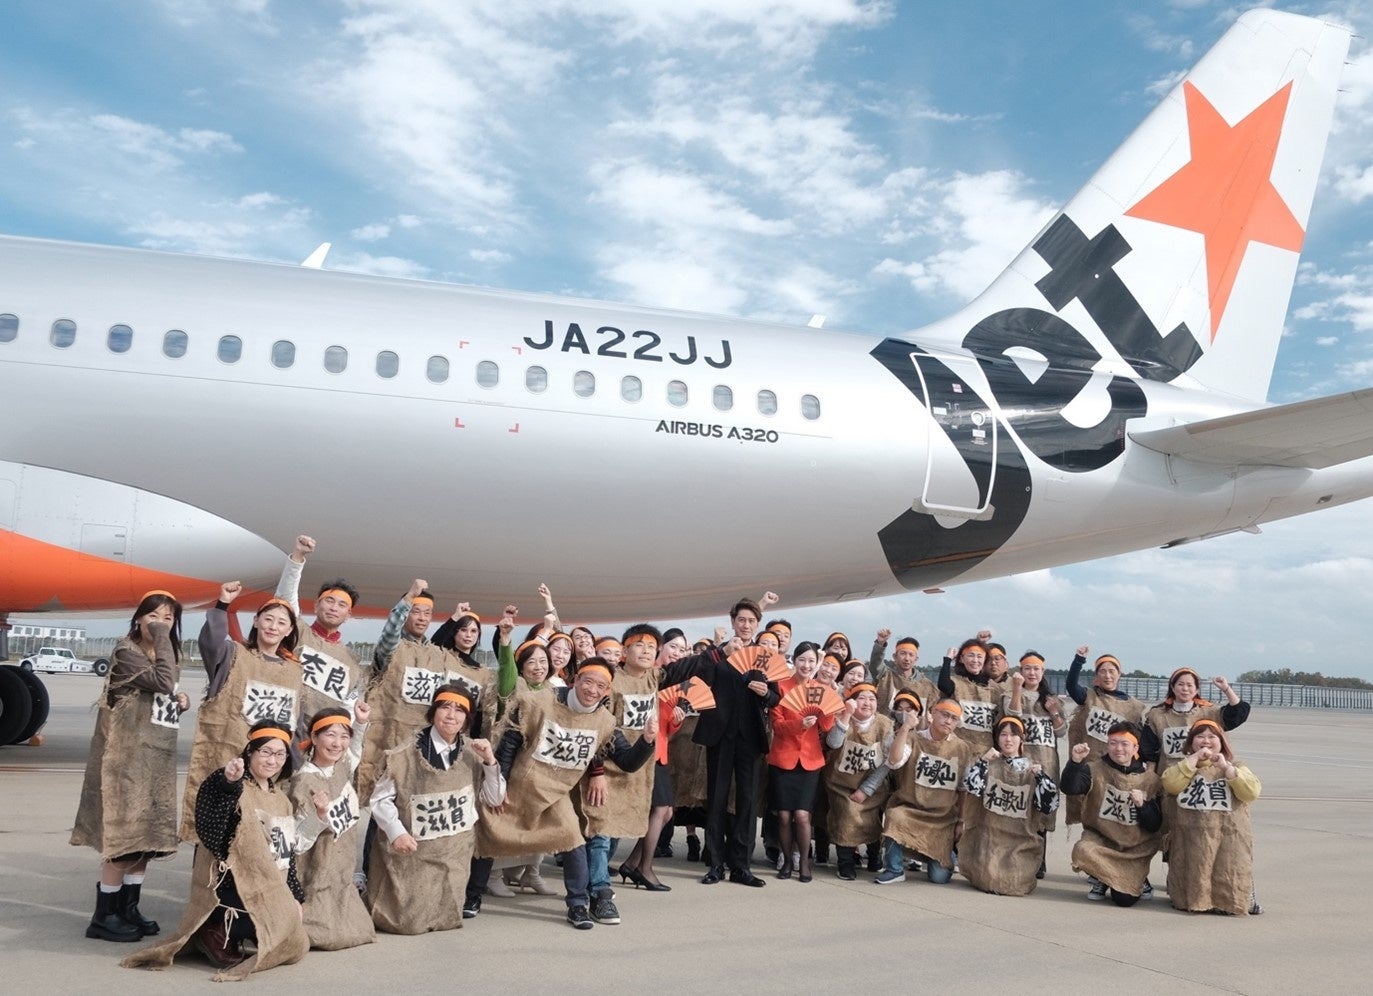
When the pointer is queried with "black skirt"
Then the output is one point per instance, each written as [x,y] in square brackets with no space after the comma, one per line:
[662,785]
[794,789]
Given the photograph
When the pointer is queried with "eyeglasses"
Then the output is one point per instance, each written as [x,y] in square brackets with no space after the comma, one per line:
[277,754]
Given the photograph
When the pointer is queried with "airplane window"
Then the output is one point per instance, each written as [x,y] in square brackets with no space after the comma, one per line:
[767,403]
[631,388]
[676,393]
[63,333]
[436,369]
[119,339]
[488,374]
[9,328]
[174,344]
[723,397]
[810,407]
[584,383]
[283,353]
[388,364]
[336,359]
[536,379]
[230,348]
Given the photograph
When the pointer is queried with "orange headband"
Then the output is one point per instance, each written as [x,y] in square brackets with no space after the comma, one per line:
[831,659]
[608,641]
[271,733]
[422,600]
[324,721]
[909,697]
[157,591]
[1127,735]
[860,688]
[835,636]
[468,615]
[337,593]
[951,707]
[559,636]
[906,641]
[461,700]
[610,675]
[779,625]
[639,638]
[274,601]
[1007,721]
[1107,659]
[1184,670]
[1033,657]
[527,644]
[1211,723]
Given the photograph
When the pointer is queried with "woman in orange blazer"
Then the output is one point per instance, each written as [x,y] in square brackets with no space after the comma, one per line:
[795,762]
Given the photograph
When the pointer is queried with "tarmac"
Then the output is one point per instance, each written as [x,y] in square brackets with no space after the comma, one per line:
[1313,869]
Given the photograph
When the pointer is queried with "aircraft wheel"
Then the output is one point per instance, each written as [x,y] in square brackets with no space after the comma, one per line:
[101,667]
[38,695]
[16,705]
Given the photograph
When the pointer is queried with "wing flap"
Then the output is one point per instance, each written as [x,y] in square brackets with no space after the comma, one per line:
[1312,434]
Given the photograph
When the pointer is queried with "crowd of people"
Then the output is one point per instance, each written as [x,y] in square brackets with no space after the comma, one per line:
[455,781]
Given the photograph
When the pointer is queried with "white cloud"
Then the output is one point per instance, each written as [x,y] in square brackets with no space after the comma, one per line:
[984,220]
[371,233]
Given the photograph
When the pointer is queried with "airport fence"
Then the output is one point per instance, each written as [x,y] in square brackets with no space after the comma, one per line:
[1149,690]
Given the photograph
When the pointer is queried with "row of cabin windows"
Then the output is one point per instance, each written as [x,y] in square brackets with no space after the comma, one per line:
[283,355]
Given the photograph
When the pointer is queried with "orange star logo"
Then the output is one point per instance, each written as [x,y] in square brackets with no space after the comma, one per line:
[1225,191]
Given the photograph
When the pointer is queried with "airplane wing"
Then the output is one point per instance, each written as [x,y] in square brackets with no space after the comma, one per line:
[1313,434]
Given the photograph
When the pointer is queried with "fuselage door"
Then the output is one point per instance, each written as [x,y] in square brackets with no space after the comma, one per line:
[960,455]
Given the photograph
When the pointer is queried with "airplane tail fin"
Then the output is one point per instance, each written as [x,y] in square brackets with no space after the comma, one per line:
[1177,259]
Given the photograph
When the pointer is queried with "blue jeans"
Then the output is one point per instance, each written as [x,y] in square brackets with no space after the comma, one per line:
[574,877]
[894,860]
[599,849]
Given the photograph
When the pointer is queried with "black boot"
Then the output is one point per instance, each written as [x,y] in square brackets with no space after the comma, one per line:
[126,901]
[107,924]
[693,847]
[664,846]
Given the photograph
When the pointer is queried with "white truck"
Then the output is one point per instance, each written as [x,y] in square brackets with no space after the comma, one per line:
[59,660]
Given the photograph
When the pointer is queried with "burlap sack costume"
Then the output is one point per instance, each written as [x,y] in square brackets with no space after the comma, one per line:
[330,676]
[538,816]
[853,824]
[128,795]
[687,762]
[256,688]
[400,696]
[981,704]
[424,891]
[1114,848]
[261,882]
[335,917]
[1000,848]
[927,795]
[1041,743]
[1172,728]
[892,682]
[1088,726]
[1211,857]
[634,698]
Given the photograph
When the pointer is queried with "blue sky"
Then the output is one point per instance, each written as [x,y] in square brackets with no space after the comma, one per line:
[873,162]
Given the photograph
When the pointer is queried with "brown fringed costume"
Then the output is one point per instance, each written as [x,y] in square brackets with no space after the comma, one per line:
[128,796]
[558,746]
[926,800]
[400,697]
[1117,843]
[335,917]
[257,858]
[853,824]
[256,688]
[1088,726]
[1211,841]
[330,676]
[634,698]
[1000,848]
[424,891]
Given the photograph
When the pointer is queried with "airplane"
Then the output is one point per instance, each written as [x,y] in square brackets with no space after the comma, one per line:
[171,421]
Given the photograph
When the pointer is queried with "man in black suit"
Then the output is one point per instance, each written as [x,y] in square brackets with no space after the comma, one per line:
[734,734]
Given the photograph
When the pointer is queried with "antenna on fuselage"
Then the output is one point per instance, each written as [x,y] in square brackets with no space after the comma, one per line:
[316,259]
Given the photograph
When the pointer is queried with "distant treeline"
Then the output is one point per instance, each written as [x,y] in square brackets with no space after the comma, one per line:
[1286,676]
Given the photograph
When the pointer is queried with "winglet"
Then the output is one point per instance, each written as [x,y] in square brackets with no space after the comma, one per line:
[316,259]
